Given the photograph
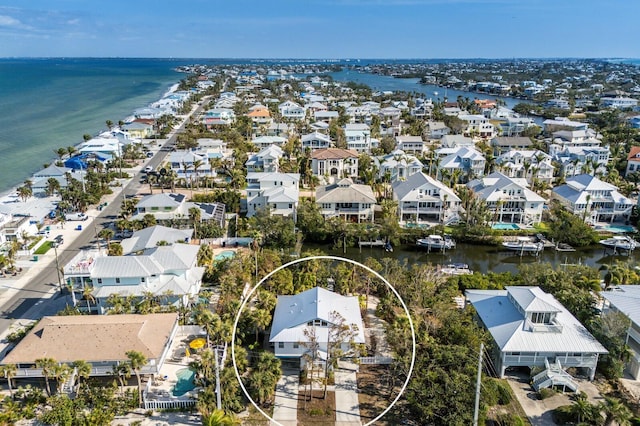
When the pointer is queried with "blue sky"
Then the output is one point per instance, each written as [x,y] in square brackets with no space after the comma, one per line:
[321,28]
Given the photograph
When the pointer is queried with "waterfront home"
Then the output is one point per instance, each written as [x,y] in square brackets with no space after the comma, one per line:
[397,165]
[169,273]
[173,210]
[528,164]
[190,166]
[100,340]
[150,112]
[557,103]
[410,144]
[40,181]
[514,126]
[315,140]
[110,146]
[358,137]
[313,311]
[633,161]
[626,300]
[592,199]
[477,125]
[153,236]
[437,130]
[14,227]
[279,192]
[503,144]
[530,328]
[291,111]
[336,163]
[267,160]
[348,200]
[562,123]
[139,129]
[508,199]
[470,161]
[423,199]
[455,141]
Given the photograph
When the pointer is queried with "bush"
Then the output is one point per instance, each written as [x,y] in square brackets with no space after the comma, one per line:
[509,419]
[546,393]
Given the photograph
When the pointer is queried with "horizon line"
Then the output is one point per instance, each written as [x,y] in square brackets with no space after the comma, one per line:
[346,58]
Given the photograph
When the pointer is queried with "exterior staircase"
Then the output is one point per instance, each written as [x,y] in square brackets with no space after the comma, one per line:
[554,375]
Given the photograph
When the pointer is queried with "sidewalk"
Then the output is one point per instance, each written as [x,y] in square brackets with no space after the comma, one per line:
[347,404]
[285,407]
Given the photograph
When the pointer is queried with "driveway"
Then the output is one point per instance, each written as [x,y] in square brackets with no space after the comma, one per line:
[346,391]
[285,407]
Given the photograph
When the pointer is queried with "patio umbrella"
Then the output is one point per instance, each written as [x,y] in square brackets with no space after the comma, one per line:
[197,343]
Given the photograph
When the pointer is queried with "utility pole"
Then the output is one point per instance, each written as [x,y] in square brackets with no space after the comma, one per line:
[478,383]
[218,396]
[55,249]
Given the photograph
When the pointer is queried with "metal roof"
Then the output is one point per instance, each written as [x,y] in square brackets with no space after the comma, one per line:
[626,299]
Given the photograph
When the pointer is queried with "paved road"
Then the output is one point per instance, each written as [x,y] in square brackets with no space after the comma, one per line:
[20,305]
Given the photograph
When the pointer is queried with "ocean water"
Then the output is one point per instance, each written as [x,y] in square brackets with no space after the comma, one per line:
[50,103]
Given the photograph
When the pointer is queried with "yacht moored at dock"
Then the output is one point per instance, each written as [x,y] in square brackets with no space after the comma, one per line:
[436,242]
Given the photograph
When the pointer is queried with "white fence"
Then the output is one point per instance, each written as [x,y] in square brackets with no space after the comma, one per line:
[375,360]
[170,404]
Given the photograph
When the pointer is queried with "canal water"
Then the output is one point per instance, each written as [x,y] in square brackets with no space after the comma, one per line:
[484,258]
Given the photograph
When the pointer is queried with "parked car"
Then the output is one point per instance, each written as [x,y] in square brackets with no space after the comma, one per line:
[148,169]
[59,239]
[78,216]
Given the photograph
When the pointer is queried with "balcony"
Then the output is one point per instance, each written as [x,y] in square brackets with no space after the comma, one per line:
[531,359]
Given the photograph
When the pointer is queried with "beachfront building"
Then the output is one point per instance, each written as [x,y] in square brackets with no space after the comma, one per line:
[527,164]
[139,128]
[348,200]
[291,111]
[278,192]
[625,299]
[15,227]
[530,328]
[410,144]
[469,161]
[173,210]
[508,199]
[358,137]
[593,200]
[315,310]
[100,340]
[169,274]
[422,199]
[315,140]
[267,160]
[336,163]
[154,236]
[109,146]
[40,181]
[397,165]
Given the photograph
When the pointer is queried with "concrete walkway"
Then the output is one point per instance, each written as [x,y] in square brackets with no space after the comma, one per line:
[376,329]
[285,407]
[346,391]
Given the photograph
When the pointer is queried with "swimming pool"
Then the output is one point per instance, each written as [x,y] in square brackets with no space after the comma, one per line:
[617,229]
[185,382]
[505,226]
[223,255]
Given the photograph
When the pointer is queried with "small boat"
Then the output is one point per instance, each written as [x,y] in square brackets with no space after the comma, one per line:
[618,242]
[524,245]
[388,247]
[436,242]
[564,247]
[435,93]
[456,269]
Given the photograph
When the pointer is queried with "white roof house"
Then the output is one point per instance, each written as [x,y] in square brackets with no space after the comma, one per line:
[594,199]
[398,165]
[311,309]
[265,141]
[358,136]
[346,199]
[276,191]
[530,327]
[421,198]
[267,160]
[171,207]
[150,237]
[527,163]
[467,159]
[315,140]
[626,300]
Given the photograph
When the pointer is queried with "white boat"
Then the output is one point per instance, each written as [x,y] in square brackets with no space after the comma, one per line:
[436,242]
[456,269]
[524,245]
[619,242]
[435,93]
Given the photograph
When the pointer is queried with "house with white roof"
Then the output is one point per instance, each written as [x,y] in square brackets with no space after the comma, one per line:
[151,236]
[437,130]
[478,125]
[530,328]
[562,123]
[267,160]
[358,137]
[596,201]
[335,163]
[509,199]
[173,209]
[325,116]
[190,166]
[291,110]
[410,144]
[169,272]
[581,159]
[619,103]
[456,141]
[528,164]
[279,192]
[219,117]
[351,201]
[316,309]
[626,300]
[110,146]
[315,140]
[422,199]
[40,181]
[397,165]
[265,141]
[467,159]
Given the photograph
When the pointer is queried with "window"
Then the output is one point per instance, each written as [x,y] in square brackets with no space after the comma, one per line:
[117,280]
[296,345]
[142,279]
[99,280]
[281,345]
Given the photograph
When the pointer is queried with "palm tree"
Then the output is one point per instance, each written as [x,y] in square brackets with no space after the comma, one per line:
[219,418]
[616,412]
[60,152]
[196,165]
[24,192]
[122,372]
[106,234]
[48,366]
[53,186]
[83,370]
[61,372]
[195,215]
[9,372]
[137,360]
[261,319]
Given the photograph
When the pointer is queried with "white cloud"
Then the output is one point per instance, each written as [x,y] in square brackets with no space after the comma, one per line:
[8,21]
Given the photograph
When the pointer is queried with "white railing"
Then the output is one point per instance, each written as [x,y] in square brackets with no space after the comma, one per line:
[168,404]
[375,360]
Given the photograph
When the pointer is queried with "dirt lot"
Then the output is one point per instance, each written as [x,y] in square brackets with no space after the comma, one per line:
[318,411]
[373,394]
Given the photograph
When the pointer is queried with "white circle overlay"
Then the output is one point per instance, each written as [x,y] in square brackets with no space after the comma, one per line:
[304,259]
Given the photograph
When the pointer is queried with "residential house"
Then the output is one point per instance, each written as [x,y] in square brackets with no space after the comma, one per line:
[336,163]
[101,340]
[358,137]
[618,102]
[291,110]
[218,117]
[397,165]
[514,126]
[173,209]
[633,160]
[353,202]
[262,142]
[278,192]
[169,273]
[275,129]
[456,141]
[139,129]
[153,236]
[478,125]
[110,146]
[190,166]
[625,299]
[410,144]
[326,116]
[562,123]
[508,199]
[40,181]
[528,164]
[423,199]
[313,311]
[530,328]
[437,129]
[634,122]
[469,161]
[577,160]
[267,160]
[13,227]
[592,199]
[260,115]
[315,140]
[504,144]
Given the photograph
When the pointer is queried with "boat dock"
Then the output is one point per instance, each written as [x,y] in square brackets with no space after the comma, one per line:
[374,243]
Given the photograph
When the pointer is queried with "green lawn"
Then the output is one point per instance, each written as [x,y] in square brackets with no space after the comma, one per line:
[43,248]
